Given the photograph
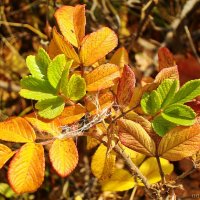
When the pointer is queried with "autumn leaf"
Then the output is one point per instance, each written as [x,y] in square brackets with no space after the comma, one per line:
[180,142]
[102,77]
[96,45]
[26,170]
[120,57]
[133,136]
[126,86]
[5,154]
[17,130]
[71,21]
[64,156]
[103,165]
[165,58]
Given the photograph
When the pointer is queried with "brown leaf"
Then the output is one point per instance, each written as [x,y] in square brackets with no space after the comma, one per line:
[180,142]
[133,136]
[126,86]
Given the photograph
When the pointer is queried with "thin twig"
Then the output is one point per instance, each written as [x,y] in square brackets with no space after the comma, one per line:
[160,170]
[191,43]
[31,28]
[184,174]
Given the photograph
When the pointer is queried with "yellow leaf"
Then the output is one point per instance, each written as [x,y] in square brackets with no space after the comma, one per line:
[17,130]
[120,57]
[64,18]
[102,77]
[42,124]
[64,156]
[96,45]
[5,154]
[180,142]
[26,170]
[103,165]
[121,180]
[136,157]
[104,101]
[132,135]
[64,46]
[79,22]
[92,142]
[150,170]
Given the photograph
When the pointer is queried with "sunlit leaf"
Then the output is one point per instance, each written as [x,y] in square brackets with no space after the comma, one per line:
[36,89]
[103,165]
[96,45]
[187,92]
[64,156]
[180,142]
[92,142]
[76,87]
[5,154]
[63,46]
[150,170]
[120,57]
[126,86]
[179,114]
[50,108]
[26,170]
[133,136]
[102,77]
[17,130]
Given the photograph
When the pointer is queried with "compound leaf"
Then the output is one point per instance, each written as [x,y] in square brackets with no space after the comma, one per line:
[63,156]
[187,92]
[17,130]
[102,77]
[26,170]
[180,142]
[50,108]
[96,45]
[76,87]
[36,89]
[133,136]
[179,114]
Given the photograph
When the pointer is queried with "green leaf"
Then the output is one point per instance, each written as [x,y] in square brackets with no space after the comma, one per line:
[188,91]
[38,64]
[76,87]
[161,125]
[167,90]
[36,89]
[6,191]
[55,70]
[65,77]
[151,103]
[50,108]
[179,114]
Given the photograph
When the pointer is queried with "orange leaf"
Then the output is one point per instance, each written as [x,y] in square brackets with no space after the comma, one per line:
[53,49]
[79,22]
[102,77]
[180,142]
[26,170]
[64,46]
[96,45]
[165,58]
[5,154]
[17,130]
[126,86]
[64,156]
[64,18]
[104,100]
[120,57]
[133,136]
[170,72]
